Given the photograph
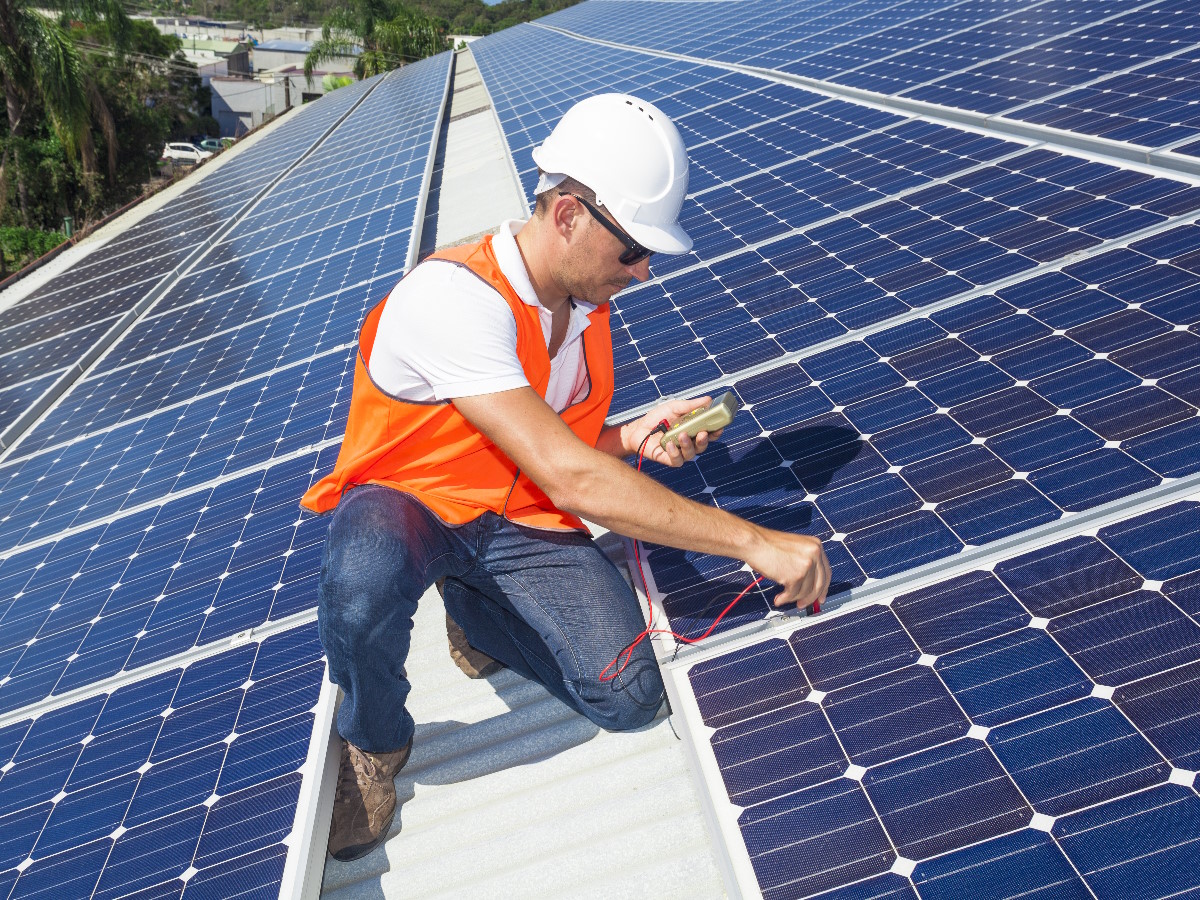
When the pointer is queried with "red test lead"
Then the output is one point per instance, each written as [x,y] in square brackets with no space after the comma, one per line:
[617,666]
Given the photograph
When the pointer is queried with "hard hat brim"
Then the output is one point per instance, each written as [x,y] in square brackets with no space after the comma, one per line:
[672,239]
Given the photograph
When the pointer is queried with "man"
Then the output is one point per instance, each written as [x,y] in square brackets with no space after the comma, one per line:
[476,442]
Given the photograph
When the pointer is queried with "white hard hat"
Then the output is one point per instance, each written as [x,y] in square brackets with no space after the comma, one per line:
[632,156]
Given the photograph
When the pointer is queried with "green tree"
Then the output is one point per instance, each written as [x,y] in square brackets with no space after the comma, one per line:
[387,33]
[43,74]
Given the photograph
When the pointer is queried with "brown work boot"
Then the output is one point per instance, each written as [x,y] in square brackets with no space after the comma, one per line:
[474,663]
[366,800]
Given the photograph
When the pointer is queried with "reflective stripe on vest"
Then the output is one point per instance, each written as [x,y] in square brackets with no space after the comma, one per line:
[431,451]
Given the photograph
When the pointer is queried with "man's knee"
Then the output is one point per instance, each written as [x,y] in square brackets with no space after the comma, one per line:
[629,701]
[368,565]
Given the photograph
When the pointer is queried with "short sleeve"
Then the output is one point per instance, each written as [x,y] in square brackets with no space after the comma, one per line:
[445,333]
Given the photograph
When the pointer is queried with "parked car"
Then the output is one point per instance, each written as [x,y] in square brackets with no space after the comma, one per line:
[215,144]
[188,154]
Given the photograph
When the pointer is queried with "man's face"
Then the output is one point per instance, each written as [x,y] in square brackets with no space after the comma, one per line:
[590,269]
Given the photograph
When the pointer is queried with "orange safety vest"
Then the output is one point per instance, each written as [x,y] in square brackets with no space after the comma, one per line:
[431,451]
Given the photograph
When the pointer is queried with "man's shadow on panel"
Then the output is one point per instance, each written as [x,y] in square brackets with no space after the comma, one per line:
[753,482]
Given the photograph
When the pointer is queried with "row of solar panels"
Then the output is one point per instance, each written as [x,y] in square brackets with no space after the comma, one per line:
[151,518]
[1123,70]
[944,339]
[118,446]
[76,314]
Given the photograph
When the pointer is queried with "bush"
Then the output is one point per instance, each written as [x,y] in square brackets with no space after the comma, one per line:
[21,246]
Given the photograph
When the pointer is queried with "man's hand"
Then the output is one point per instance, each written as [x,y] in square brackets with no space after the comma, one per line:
[797,562]
[676,453]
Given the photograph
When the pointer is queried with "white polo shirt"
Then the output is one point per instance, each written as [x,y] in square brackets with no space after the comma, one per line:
[447,333]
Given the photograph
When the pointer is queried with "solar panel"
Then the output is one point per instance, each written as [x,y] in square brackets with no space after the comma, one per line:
[152,524]
[185,783]
[1119,70]
[1026,728]
[1047,398]
[74,315]
[867,216]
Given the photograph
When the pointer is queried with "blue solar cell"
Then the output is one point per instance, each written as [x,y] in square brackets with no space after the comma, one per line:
[965,383]
[1012,676]
[1002,411]
[958,613]
[1075,307]
[1119,849]
[866,503]
[1164,708]
[919,439]
[731,690]
[955,473]
[901,543]
[1025,863]
[945,798]
[1076,755]
[1039,444]
[842,652]
[888,410]
[1129,637]
[791,847]
[754,754]
[1119,330]
[997,511]
[1041,357]
[1172,353]
[893,715]
[1078,385]
[1067,576]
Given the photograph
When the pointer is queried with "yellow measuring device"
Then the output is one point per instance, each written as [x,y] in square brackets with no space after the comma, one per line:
[713,417]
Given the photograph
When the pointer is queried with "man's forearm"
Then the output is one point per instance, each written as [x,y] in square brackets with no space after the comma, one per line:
[633,504]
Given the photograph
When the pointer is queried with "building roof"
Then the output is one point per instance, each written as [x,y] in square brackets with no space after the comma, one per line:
[283,46]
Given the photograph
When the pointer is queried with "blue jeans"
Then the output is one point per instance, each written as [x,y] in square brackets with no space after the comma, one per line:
[547,604]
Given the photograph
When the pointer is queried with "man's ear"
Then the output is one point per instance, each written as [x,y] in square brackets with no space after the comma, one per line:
[564,213]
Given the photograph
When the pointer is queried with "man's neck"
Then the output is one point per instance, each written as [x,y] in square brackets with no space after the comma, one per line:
[549,293]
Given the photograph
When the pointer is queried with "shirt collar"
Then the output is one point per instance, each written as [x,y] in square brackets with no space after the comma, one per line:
[512,264]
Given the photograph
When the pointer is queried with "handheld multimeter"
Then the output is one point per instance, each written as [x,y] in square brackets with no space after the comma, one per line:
[713,417]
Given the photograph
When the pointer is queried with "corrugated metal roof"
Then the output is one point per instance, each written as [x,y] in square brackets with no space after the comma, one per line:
[509,793]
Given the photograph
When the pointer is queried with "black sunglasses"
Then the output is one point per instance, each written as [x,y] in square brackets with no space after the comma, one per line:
[633,253]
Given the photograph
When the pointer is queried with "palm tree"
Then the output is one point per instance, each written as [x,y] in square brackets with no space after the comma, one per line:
[41,69]
[389,35]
